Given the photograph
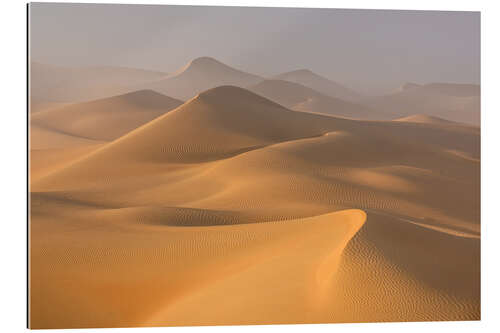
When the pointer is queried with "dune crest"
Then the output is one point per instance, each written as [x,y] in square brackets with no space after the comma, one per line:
[227,120]
[106,119]
[306,250]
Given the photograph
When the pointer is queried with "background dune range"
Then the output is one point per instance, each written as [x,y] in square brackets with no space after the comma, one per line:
[211,196]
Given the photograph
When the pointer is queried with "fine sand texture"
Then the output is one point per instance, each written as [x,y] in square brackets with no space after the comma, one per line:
[231,208]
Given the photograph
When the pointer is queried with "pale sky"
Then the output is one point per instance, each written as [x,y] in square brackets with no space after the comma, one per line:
[373,51]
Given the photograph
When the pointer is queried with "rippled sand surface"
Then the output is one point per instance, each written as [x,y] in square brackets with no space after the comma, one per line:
[232,209]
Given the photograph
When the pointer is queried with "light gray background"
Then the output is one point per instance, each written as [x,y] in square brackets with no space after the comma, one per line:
[373,51]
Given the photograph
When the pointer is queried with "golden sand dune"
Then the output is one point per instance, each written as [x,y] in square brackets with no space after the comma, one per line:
[228,121]
[218,123]
[201,74]
[65,134]
[312,164]
[456,102]
[106,119]
[301,98]
[56,84]
[314,81]
[232,209]
[176,267]
[320,174]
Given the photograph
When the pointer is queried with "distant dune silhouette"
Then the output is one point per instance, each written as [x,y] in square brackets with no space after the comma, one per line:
[456,102]
[317,82]
[201,74]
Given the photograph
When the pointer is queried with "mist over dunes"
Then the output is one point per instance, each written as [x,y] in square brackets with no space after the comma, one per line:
[319,83]
[300,90]
[201,74]
[457,102]
[425,119]
[49,83]
[302,98]
[214,196]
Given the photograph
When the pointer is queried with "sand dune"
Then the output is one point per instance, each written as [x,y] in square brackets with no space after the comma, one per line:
[445,287]
[59,84]
[456,102]
[64,134]
[201,74]
[172,277]
[106,119]
[314,81]
[248,132]
[301,98]
[213,203]
[217,123]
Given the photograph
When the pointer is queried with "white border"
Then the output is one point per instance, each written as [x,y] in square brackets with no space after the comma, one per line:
[13,165]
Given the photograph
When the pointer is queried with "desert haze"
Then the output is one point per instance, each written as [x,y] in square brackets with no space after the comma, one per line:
[210,195]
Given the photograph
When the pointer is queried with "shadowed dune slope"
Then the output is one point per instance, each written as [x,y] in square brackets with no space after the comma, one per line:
[106,119]
[56,84]
[201,74]
[456,102]
[383,261]
[314,81]
[301,98]
[399,264]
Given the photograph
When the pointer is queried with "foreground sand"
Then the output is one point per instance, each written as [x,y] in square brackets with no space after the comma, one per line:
[232,209]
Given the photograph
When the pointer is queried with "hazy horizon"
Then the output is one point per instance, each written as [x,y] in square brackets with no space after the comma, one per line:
[372,51]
